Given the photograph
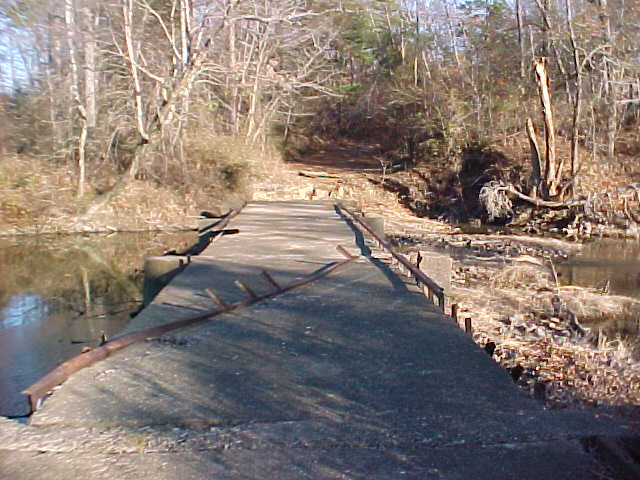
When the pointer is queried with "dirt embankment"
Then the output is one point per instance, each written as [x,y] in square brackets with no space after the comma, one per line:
[40,197]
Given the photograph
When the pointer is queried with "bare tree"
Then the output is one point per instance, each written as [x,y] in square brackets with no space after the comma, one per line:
[577,99]
[79,106]
[156,105]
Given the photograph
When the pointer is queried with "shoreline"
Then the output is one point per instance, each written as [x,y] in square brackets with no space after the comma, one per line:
[105,230]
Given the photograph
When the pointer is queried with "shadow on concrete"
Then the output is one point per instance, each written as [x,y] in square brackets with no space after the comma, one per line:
[321,384]
[394,279]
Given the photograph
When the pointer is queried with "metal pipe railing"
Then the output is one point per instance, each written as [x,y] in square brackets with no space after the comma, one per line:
[61,373]
[430,288]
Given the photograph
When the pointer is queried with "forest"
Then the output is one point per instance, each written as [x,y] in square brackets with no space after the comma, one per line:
[192,95]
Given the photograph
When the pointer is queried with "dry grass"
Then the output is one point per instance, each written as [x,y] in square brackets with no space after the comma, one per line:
[217,173]
[34,190]
[39,196]
[593,370]
[575,373]
[534,276]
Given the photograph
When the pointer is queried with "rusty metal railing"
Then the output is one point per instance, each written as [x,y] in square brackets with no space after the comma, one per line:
[431,289]
[61,373]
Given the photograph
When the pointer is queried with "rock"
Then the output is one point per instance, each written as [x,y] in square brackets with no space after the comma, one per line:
[516,372]
[490,348]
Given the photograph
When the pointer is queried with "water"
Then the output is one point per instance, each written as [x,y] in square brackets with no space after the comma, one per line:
[607,264]
[57,296]
[612,265]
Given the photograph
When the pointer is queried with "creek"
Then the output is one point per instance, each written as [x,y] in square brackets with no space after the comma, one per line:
[610,265]
[59,293]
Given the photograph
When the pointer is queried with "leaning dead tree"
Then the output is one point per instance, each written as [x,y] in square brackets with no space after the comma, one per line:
[618,208]
[547,183]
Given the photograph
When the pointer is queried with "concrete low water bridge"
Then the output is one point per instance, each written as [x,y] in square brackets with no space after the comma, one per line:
[355,376]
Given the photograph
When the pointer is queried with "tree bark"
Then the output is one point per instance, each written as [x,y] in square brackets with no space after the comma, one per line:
[89,67]
[540,202]
[577,105]
[523,70]
[536,167]
[552,171]
[127,18]
[234,100]
[612,113]
[70,21]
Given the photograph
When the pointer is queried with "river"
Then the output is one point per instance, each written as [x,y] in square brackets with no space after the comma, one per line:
[59,293]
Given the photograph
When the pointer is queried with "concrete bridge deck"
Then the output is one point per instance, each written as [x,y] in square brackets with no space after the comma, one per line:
[356,376]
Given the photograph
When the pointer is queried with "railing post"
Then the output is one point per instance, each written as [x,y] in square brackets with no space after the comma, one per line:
[441,301]
[468,327]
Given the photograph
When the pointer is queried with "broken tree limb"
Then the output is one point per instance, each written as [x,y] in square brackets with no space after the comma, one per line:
[537,201]
[552,171]
[306,173]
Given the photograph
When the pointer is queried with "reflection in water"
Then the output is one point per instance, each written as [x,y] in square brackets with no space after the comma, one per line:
[58,294]
[612,266]
[23,309]
[607,264]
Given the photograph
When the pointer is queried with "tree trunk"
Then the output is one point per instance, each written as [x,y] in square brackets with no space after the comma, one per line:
[127,16]
[552,171]
[89,67]
[120,185]
[70,21]
[185,30]
[233,78]
[454,45]
[256,90]
[611,110]
[577,105]
[536,168]
[523,70]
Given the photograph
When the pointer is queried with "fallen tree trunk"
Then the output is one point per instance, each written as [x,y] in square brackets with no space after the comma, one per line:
[494,196]
[538,202]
